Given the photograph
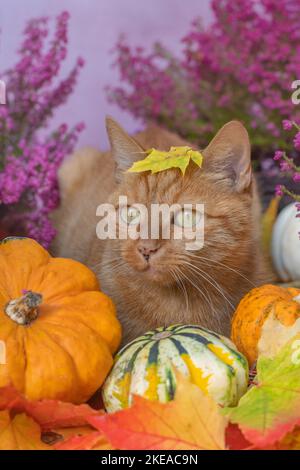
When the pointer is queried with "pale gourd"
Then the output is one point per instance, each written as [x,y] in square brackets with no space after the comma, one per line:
[286,244]
[147,367]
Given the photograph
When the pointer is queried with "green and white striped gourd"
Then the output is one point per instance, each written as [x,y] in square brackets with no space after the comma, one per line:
[146,367]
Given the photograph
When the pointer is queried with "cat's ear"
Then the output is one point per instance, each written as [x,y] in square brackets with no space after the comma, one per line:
[125,149]
[228,155]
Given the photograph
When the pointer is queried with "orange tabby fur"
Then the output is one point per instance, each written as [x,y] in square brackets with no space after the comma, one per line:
[173,285]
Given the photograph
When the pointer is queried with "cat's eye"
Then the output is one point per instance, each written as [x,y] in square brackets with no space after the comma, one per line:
[130,215]
[187,218]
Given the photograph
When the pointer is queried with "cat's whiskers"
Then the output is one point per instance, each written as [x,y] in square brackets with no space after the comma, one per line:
[111,265]
[208,279]
[222,265]
[207,299]
[181,286]
[112,262]
[214,283]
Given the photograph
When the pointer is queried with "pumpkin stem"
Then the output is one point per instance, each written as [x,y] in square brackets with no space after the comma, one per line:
[24,309]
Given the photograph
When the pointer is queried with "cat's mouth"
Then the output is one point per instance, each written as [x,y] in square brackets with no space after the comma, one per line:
[156,272]
[151,271]
[152,267]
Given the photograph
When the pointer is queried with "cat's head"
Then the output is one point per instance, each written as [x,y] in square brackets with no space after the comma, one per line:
[223,186]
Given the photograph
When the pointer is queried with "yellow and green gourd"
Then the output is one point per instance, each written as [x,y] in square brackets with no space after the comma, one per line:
[146,367]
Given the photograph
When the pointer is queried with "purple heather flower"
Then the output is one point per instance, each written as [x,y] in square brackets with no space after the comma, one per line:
[80,62]
[13,181]
[63,128]
[80,127]
[30,159]
[296,177]
[279,190]
[285,166]
[278,155]
[287,125]
[288,163]
[297,141]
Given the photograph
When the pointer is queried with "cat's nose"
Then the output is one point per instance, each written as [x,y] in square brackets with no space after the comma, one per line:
[148,250]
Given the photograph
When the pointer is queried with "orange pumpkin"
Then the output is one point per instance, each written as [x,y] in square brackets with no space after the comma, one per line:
[58,332]
[255,308]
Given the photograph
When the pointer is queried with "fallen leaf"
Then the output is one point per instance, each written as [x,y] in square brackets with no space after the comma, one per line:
[20,433]
[56,414]
[176,157]
[191,421]
[57,435]
[235,439]
[48,413]
[271,408]
[91,440]
[291,441]
[54,423]
[80,438]
[11,399]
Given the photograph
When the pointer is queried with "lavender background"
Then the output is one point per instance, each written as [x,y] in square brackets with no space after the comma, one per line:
[95,26]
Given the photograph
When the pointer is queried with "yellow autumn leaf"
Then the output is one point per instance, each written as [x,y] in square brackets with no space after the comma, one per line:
[159,160]
[20,433]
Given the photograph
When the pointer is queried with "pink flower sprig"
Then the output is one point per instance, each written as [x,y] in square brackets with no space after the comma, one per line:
[287,163]
[29,159]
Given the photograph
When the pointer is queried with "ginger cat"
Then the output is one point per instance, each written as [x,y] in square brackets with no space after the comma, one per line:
[158,282]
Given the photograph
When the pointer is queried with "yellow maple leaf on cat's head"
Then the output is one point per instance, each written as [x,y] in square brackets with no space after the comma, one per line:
[159,160]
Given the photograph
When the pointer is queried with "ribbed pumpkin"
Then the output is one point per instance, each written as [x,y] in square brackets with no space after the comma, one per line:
[146,367]
[283,304]
[58,331]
